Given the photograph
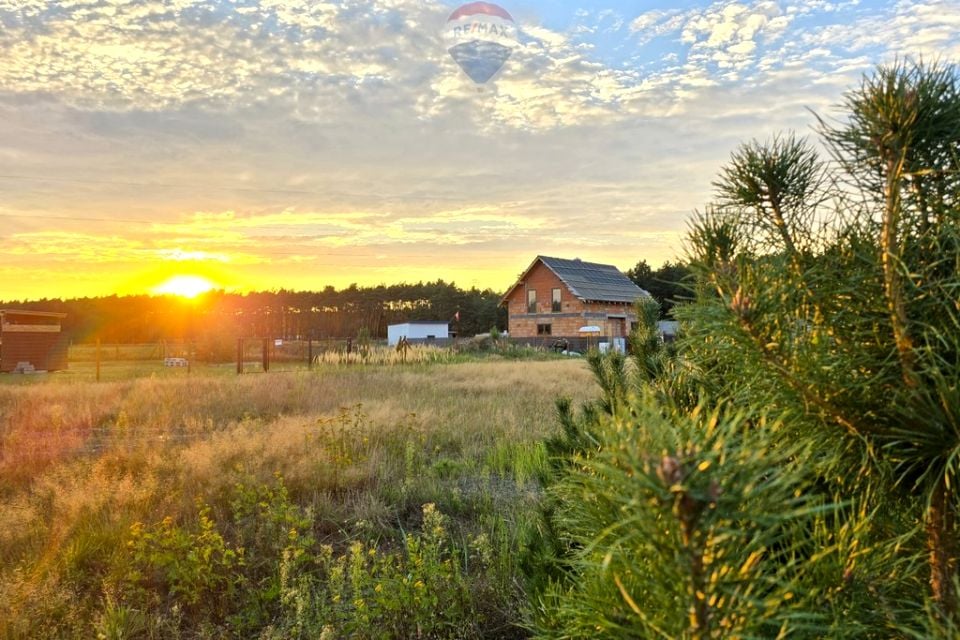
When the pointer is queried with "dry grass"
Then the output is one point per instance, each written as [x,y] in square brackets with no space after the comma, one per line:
[49,422]
[360,447]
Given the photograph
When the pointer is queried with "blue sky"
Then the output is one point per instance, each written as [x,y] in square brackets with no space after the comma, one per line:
[299,143]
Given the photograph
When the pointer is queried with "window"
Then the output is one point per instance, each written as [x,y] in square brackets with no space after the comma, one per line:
[531,301]
[543,329]
[555,306]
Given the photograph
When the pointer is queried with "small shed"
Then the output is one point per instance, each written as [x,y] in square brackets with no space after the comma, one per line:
[32,341]
[668,329]
[418,330]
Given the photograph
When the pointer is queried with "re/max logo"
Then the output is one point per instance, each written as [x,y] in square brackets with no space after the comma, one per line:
[482,28]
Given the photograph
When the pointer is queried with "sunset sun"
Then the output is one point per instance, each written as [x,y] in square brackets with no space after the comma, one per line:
[184,286]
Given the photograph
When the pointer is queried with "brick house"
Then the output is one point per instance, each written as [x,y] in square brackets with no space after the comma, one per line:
[556,297]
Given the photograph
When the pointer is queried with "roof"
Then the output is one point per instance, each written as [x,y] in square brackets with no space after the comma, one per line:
[669,327]
[589,281]
[420,322]
[27,312]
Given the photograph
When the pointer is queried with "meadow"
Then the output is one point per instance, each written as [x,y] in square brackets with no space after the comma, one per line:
[350,500]
[787,468]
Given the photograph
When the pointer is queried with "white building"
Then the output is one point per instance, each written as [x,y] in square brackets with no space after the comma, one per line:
[668,329]
[418,330]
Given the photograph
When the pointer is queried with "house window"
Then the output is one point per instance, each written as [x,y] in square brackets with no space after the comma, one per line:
[555,305]
[532,301]
[543,329]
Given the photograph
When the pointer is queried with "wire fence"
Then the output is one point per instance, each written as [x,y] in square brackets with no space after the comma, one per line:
[247,355]
[67,443]
[21,447]
[250,350]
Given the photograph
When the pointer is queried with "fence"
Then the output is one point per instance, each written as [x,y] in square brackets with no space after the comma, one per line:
[256,354]
[553,343]
[249,354]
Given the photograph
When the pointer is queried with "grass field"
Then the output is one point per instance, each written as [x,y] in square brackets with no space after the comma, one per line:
[346,501]
[129,361]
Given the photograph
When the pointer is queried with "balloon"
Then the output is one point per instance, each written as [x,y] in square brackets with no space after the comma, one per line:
[480,38]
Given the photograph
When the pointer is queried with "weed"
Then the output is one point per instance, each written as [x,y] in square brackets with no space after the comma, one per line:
[243,500]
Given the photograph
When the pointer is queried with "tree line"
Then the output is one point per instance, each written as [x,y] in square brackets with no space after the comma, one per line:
[668,284]
[292,315]
[329,313]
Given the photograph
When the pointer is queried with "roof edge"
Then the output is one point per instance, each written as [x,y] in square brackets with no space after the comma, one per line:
[28,312]
[503,300]
[561,278]
[541,259]
[527,271]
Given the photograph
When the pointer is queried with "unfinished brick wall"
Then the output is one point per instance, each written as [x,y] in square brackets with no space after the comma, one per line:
[543,281]
[573,314]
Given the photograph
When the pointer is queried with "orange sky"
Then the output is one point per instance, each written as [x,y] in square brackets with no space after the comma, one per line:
[278,250]
[299,144]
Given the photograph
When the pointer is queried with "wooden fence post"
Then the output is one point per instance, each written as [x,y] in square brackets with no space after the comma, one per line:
[310,352]
[266,354]
[239,356]
[98,359]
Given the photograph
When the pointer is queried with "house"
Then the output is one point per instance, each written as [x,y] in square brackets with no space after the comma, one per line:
[32,341]
[418,330]
[556,297]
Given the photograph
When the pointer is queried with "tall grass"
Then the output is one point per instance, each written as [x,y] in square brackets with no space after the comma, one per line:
[108,490]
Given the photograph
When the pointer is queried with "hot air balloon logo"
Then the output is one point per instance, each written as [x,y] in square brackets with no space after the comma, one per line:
[480,37]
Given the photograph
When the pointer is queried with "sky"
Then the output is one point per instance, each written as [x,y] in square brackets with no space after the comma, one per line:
[295,144]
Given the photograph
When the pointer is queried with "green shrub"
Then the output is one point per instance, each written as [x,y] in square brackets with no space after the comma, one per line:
[194,568]
[419,590]
[707,525]
[825,296]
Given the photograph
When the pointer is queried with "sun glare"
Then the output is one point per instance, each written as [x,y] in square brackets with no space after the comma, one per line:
[184,286]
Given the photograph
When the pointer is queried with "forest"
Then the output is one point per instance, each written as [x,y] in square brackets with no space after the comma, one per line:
[329,313]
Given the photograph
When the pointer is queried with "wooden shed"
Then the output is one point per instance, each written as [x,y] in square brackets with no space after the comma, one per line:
[32,341]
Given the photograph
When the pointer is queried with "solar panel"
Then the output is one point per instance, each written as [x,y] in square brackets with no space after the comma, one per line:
[593,281]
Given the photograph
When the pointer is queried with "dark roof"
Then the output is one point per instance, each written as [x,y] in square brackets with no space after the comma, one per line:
[26,312]
[589,281]
[421,322]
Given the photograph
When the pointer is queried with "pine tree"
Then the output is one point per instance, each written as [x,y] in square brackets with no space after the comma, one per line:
[838,286]
[790,469]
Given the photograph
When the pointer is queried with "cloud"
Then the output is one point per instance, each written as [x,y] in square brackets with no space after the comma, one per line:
[154,55]
[658,22]
[65,247]
[325,62]
[262,134]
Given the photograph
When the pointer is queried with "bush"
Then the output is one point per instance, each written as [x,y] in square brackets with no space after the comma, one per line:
[417,591]
[702,525]
[195,569]
[824,297]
